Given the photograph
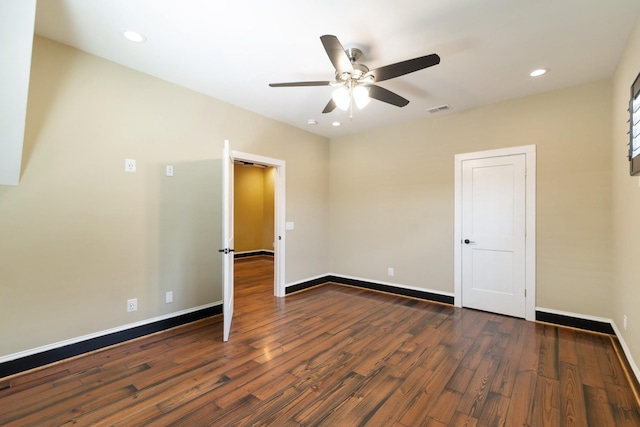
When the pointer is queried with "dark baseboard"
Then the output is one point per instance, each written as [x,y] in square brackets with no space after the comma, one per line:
[424,295]
[253,253]
[556,319]
[575,322]
[55,355]
[306,285]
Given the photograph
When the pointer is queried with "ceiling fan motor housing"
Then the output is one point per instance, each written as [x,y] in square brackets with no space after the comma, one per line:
[359,71]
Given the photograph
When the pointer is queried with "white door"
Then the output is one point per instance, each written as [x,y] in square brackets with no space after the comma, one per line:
[227,239]
[493,234]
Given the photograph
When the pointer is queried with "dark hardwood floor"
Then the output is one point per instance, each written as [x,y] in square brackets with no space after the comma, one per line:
[335,356]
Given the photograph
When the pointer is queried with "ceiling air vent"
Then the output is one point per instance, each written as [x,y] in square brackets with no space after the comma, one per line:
[439,109]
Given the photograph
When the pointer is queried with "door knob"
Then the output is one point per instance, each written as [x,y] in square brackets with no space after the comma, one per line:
[467,241]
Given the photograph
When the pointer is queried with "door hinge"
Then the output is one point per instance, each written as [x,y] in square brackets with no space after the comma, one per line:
[525,171]
[525,293]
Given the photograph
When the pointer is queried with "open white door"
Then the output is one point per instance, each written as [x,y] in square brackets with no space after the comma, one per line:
[227,239]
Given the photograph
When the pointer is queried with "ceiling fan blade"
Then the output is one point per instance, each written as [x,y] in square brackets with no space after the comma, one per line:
[384,95]
[295,84]
[336,53]
[405,67]
[330,106]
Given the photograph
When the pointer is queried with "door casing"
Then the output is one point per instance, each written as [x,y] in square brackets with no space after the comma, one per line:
[530,221]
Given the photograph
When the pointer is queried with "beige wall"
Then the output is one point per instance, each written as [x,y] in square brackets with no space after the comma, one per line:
[253,208]
[626,204]
[392,195]
[79,236]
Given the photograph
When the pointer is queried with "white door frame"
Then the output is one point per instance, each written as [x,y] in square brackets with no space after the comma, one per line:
[530,222]
[279,214]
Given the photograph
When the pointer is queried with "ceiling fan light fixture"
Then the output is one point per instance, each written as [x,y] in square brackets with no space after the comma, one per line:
[342,98]
[361,96]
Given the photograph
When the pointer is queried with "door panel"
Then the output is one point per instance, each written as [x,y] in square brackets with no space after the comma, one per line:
[492,271]
[493,234]
[227,240]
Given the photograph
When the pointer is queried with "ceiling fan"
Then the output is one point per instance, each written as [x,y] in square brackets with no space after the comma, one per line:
[355,81]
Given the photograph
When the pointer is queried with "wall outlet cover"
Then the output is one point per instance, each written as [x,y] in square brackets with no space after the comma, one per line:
[132,305]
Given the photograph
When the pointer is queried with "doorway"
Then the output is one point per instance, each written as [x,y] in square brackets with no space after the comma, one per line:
[253,210]
[494,256]
[277,167]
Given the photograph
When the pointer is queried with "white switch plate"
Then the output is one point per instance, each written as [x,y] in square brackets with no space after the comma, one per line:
[169,170]
[129,165]
[168,297]
[390,271]
[289,226]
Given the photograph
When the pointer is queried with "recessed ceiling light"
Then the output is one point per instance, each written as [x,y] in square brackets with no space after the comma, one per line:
[134,36]
[538,72]
[312,122]
[336,124]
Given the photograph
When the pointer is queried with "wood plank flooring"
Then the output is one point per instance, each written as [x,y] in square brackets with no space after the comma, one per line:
[335,356]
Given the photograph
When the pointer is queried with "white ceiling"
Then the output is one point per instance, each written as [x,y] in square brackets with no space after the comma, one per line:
[231,50]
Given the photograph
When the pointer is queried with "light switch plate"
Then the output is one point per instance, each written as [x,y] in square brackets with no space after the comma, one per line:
[289,226]
[129,165]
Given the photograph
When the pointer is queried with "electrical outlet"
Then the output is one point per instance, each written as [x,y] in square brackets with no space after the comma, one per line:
[390,271]
[169,170]
[129,165]
[168,297]
[624,322]
[132,305]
